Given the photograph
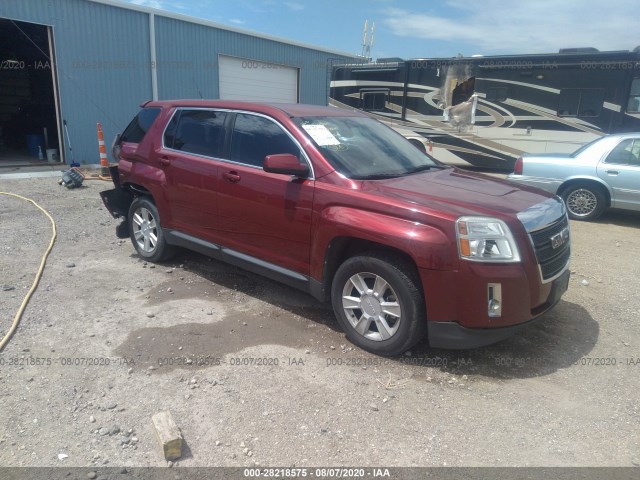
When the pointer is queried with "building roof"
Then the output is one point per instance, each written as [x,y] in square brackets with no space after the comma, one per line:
[208,23]
[290,109]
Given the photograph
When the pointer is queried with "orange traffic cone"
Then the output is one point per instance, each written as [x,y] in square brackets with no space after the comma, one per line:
[104,163]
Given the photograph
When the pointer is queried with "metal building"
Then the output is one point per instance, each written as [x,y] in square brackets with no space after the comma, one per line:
[68,64]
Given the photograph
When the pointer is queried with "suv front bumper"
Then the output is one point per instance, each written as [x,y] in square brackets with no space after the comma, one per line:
[452,335]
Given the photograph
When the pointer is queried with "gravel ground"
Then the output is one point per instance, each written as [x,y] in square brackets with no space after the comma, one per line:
[255,373]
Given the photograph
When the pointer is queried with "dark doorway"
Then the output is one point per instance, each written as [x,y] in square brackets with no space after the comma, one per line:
[28,112]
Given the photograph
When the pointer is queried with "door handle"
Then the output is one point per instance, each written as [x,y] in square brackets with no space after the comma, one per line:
[164,161]
[612,172]
[232,177]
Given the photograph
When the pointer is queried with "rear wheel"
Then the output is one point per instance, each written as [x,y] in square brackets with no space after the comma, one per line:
[379,304]
[584,201]
[145,232]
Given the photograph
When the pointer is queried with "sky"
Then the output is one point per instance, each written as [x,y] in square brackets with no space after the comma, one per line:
[429,28]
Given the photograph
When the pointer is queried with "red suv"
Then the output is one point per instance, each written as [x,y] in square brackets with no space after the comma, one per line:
[338,205]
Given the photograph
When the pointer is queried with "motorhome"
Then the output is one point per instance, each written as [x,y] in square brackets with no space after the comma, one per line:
[487,111]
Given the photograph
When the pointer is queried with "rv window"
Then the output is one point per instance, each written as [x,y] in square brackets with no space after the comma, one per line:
[568,103]
[633,106]
[374,101]
[580,102]
[497,94]
[591,102]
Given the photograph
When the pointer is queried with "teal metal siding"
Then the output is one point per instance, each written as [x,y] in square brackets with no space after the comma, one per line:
[104,62]
[102,58]
[188,53]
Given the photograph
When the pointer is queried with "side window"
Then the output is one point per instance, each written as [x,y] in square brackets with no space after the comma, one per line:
[139,126]
[170,131]
[568,102]
[633,105]
[256,137]
[199,131]
[626,152]
[497,94]
[580,102]
[374,101]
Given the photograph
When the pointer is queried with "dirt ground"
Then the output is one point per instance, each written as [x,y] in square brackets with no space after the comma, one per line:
[256,373]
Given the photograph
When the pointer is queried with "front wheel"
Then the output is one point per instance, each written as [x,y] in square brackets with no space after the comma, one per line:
[145,232]
[584,201]
[379,303]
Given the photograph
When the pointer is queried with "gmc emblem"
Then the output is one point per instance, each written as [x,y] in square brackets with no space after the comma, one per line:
[560,239]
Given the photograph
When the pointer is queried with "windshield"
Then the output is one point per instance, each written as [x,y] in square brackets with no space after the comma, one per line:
[363,148]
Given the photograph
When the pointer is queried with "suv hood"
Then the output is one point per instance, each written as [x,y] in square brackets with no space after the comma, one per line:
[456,192]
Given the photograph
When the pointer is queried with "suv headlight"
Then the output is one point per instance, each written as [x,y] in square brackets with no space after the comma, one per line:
[482,239]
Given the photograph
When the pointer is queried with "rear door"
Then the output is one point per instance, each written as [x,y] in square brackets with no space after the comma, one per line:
[193,144]
[621,170]
[262,214]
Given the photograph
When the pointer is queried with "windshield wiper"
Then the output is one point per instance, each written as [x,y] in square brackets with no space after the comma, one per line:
[382,176]
[379,176]
[423,168]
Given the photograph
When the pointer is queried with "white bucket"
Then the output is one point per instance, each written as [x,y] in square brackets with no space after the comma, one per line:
[52,155]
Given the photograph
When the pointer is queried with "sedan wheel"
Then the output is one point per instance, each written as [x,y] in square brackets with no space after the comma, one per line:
[379,303]
[584,202]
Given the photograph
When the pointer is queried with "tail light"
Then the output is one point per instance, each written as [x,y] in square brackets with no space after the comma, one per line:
[518,168]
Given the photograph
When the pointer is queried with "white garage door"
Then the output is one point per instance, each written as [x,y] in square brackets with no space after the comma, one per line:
[253,81]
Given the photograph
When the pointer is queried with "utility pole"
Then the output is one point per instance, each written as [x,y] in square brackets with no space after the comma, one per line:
[367,45]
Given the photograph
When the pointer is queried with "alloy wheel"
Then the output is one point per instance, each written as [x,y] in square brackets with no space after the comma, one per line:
[582,202]
[145,230]
[371,306]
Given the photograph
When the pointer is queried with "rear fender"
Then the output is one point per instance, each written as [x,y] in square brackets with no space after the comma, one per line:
[145,179]
[117,201]
[586,179]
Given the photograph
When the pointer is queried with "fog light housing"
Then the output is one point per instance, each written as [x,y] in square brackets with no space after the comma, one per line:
[494,299]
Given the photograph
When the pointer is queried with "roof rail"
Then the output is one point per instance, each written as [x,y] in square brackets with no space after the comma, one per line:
[579,50]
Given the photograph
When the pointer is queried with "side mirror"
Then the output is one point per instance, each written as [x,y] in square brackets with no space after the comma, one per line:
[286,164]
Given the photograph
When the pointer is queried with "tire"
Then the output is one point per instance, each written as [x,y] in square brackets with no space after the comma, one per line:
[373,277]
[584,201]
[145,232]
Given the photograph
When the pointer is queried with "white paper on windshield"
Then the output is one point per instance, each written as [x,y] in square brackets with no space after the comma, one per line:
[321,135]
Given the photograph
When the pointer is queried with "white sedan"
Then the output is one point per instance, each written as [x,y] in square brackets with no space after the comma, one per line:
[603,173]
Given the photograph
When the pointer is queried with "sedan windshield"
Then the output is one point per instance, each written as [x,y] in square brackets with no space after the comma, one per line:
[363,148]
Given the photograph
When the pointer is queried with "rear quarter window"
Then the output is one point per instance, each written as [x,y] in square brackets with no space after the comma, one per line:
[139,126]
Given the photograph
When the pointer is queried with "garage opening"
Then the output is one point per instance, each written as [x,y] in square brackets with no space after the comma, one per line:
[256,81]
[29,126]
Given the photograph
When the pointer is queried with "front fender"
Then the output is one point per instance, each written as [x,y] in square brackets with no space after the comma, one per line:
[427,245]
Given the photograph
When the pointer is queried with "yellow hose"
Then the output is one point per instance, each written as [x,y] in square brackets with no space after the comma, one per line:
[34,285]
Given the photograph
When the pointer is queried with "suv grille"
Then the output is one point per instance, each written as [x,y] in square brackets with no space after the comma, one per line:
[551,260]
